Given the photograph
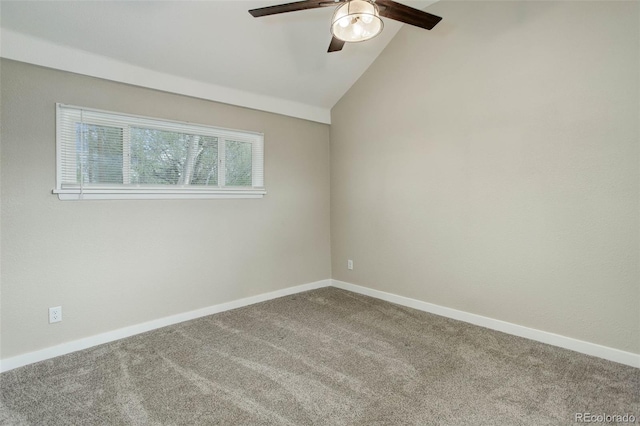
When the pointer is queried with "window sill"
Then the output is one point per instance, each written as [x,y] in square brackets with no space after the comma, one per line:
[155,194]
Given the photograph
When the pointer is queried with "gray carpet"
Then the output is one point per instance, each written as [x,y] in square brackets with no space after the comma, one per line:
[324,357]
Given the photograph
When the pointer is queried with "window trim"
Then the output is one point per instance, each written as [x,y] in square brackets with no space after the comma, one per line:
[132,191]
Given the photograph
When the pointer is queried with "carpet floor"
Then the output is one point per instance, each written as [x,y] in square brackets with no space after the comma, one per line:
[323,357]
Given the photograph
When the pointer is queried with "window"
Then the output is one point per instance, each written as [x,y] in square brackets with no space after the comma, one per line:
[105,155]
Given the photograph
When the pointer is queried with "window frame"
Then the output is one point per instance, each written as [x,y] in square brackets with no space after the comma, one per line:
[68,114]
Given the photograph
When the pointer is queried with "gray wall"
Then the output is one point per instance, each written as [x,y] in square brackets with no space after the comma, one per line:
[491,166]
[112,264]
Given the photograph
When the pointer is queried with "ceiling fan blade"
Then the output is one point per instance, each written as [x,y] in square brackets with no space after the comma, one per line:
[292,7]
[336,45]
[399,12]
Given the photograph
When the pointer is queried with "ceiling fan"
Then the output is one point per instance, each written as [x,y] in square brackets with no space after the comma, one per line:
[356,20]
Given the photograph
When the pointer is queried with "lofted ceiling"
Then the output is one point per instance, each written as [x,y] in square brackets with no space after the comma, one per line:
[210,49]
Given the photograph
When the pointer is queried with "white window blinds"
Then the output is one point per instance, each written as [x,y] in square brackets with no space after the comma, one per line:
[109,155]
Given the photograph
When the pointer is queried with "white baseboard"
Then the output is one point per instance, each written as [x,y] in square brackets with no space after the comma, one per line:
[110,336]
[581,346]
[611,354]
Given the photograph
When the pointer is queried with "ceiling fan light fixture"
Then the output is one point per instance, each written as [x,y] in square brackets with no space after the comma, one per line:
[356,20]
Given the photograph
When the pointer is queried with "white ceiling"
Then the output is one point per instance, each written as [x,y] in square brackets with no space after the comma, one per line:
[210,49]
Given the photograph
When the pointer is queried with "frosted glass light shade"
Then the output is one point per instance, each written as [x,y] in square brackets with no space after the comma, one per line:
[356,20]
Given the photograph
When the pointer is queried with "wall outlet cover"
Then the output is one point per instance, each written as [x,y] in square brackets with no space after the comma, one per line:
[55,314]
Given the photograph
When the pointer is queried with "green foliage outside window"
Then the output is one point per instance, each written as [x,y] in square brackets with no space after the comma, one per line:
[158,157]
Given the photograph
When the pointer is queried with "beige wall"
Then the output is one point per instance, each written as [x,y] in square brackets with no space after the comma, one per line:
[491,166]
[112,264]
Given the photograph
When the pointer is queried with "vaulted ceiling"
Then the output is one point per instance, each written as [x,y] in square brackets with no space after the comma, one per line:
[209,49]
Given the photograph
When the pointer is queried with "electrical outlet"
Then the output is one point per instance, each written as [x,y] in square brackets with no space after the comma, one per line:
[350,265]
[55,314]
